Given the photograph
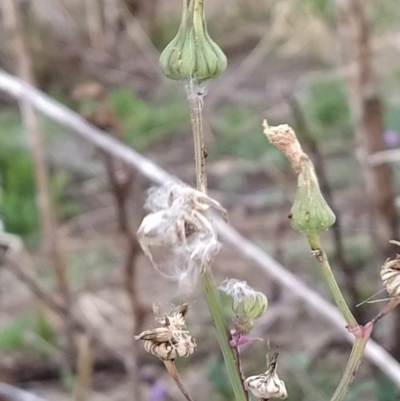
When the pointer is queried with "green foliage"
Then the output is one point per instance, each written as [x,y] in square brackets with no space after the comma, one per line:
[386,390]
[324,9]
[328,109]
[218,377]
[239,133]
[324,379]
[145,124]
[64,208]
[18,335]
[18,205]
[11,337]
[392,117]
[384,15]
[18,208]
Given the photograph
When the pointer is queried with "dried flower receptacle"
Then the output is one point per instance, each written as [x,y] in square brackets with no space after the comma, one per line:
[390,276]
[170,341]
[267,386]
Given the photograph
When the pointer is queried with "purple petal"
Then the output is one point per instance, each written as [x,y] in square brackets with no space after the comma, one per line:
[158,392]
[238,340]
[391,138]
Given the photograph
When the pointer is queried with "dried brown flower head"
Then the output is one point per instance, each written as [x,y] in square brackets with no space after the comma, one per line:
[169,341]
[390,276]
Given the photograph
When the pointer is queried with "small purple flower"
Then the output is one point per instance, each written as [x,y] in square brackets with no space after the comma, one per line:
[391,139]
[158,392]
[238,340]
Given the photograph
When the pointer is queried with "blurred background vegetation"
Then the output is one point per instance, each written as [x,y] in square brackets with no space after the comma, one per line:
[284,65]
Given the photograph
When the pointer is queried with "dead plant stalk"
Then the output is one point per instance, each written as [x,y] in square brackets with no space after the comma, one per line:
[23,63]
[355,40]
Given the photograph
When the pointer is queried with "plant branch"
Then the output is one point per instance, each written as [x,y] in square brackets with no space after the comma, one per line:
[8,392]
[173,372]
[354,361]
[309,142]
[85,365]
[18,89]
[195,99]
[14,30]
[214,304]
[330,280]
[196,105]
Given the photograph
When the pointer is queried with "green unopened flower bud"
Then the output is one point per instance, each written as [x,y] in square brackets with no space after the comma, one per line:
[247,302]
[192,54]
[310,213]
[251,307]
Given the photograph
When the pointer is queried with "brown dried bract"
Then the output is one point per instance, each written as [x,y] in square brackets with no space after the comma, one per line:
[390,276]
[170,341]
[285,139]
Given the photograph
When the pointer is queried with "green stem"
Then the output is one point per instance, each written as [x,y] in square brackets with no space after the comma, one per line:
[214,305]
[196,116]
[351,368]
[331,281]
[363,333]
[210,289]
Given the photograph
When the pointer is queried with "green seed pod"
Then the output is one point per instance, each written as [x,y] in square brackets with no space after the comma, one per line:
[192,54]
[310,213]
[251,307]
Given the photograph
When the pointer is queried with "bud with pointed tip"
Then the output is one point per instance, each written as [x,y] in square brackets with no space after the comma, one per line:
[192,54]
[310,213]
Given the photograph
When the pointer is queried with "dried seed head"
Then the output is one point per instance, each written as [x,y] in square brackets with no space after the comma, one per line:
[178,225]
[267,386]
[171,340]
[390,276]
[247,302]
[168,351]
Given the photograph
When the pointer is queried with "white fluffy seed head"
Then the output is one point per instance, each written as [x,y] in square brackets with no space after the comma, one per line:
[179,227]
[161,198]
[239,290]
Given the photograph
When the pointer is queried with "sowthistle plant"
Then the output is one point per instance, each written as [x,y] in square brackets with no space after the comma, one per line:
[179,224]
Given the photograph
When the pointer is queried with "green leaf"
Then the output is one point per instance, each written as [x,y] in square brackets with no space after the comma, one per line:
[218,377]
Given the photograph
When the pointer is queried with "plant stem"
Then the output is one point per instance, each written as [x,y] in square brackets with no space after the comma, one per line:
[352,364]
[330,280]
[200,153]
[362,333]
[173,372]
[214,303]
